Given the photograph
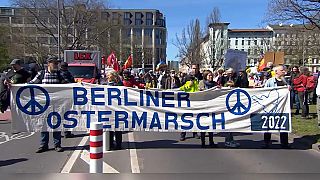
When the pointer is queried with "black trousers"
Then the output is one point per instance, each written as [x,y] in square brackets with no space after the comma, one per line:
[283,138]
[118,137]
[203,137]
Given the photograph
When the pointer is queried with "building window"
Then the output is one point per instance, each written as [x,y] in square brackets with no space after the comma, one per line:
[249,51]
[127,18]
[242,42]
[149,19]
[261,42]
[5,11]
[221,33]
[255,42]
[138,19]
[229,42]
[148,36]
[236,42]
[242,49]
[249,42]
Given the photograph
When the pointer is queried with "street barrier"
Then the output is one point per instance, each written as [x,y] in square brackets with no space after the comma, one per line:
[96,152]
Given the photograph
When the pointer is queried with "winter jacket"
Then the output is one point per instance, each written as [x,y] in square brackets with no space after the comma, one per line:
[131,82]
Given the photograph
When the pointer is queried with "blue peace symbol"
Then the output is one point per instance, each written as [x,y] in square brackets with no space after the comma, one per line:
[238,108]
[32,103]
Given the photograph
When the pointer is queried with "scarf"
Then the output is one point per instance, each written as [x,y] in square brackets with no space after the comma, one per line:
[209,84]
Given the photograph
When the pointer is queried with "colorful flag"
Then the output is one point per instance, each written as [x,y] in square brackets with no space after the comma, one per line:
[262,63]
[111,58]
[116,65]
[128,63]
[162,64]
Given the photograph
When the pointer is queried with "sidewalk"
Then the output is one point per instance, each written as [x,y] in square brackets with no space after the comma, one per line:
[6,116]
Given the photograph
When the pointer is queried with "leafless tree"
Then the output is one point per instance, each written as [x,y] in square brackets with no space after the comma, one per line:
[210,42]
[83,23]
[303,11]
[189,44]
[214,17]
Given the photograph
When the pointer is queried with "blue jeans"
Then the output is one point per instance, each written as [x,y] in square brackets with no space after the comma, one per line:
[296,97]
[45,139]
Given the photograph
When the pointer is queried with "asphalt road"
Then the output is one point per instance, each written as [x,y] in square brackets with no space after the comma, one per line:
[154,152]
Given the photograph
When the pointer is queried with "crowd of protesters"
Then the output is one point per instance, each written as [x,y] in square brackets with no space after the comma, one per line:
[299,81]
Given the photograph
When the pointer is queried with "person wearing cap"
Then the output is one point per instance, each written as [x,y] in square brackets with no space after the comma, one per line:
[66,74]
[51,75]
[18,75]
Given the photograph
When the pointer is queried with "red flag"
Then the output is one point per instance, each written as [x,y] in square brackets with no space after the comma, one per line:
[111,59]
[128,63]
[116,65]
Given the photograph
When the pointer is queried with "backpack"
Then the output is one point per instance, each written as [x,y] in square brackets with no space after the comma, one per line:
[311,83]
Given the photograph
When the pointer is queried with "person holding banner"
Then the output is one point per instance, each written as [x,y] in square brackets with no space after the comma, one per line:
[66,74]
[277,81]
[229,81]
[207,83]
[191,85]
[51,75]
[113,79]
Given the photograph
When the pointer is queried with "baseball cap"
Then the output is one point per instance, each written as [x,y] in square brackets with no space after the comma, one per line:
[52,59]
[15,61]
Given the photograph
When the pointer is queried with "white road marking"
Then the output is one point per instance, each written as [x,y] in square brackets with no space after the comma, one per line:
[18,136]
[133,155]
[67,167]
[106,167]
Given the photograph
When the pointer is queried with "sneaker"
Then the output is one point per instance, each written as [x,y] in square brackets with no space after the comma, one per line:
[182,138]
[232,144]
[58,149]
[42,149]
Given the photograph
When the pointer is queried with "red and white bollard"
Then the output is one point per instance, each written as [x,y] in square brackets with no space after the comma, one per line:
[96,151]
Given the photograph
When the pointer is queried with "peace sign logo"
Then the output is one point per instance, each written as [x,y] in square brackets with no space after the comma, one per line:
[35,107]
[238,108]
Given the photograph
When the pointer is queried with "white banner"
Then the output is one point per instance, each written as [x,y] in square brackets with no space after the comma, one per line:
[73,106]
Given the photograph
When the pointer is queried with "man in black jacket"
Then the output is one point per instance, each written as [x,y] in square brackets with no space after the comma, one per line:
[65,73]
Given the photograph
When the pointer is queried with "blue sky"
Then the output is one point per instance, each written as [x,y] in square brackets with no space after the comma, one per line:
[179,13]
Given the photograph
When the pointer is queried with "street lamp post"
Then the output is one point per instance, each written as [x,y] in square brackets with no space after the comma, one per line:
[58,9]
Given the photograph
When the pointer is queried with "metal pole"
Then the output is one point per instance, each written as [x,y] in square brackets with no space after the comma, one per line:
[58,7]
[106,141]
